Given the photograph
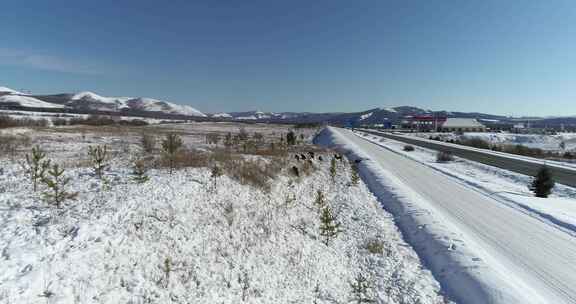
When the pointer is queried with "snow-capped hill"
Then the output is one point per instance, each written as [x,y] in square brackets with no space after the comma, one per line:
[4,90]
[155,105]
[221,115]
[89,96]
[26,101]
[93,101]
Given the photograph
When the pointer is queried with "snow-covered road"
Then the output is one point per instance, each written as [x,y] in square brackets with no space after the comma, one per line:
[527,251]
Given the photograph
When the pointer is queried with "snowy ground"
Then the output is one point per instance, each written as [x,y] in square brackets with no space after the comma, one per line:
[174,240]
[481,248]
[507,186]
[541,141]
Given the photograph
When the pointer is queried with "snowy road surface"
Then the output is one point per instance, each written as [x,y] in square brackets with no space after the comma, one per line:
[529,251]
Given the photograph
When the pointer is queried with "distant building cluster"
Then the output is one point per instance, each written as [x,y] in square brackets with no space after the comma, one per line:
[442,123]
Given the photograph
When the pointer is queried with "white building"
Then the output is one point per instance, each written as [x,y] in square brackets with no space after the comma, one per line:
[463,125]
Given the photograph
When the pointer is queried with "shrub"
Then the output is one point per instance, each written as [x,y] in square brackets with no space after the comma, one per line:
[444,156]
[36,165]
[243,134]
[291,138]
[375,246]
[148,143]
[139,171]
[57,183]
[408,148]
[252,172]
[9,122]
[476,143]
[10,144]
[543,183]
[98,156]
[170,146]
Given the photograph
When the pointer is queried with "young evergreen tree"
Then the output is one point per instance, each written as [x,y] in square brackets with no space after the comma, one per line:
[320,200]
[215,173]
[98,157]
[57,183]
[139,171]
[36,165]
[361,290]
[543,183]
[333,169]
[291,138]
[355,177]
[329,226]
[170,146]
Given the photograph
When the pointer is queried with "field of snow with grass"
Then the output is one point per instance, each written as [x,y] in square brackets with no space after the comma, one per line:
[249,235]
[547,142]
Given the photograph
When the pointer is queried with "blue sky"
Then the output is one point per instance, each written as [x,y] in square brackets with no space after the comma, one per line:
[505,57]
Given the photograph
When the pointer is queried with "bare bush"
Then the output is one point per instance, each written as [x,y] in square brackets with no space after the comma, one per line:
[148,143]
[444,156]
[408,148]
[10,122]
[10,144]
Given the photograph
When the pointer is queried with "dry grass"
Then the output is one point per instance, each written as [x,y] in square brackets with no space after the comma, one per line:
[11,145]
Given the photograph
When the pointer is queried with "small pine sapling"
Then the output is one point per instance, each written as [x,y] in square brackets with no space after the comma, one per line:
[57,183]
[215,173]
[320,200]
[543,183]
[333,169]
[139,172]
[329,226]
[355,177]
[36,165]
[98,156]
[291,138]
[361,290]
[170,146]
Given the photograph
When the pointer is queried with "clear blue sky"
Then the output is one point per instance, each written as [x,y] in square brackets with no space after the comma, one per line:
[504,57]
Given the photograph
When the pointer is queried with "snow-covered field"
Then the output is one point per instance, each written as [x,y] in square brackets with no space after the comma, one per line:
[546,142]
[482,248]
[176,239]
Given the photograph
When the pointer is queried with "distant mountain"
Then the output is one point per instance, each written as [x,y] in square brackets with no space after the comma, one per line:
[93,102]
[392,115]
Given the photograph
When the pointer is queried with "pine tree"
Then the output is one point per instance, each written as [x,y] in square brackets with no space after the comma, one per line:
[355,177]
[320,200]
[543,183]
[333,169]
[170,145]
[139,172]
[214,174]
[98,157]
[36,166]
[291,138]
[57,182]
[361,290]
[329,227]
